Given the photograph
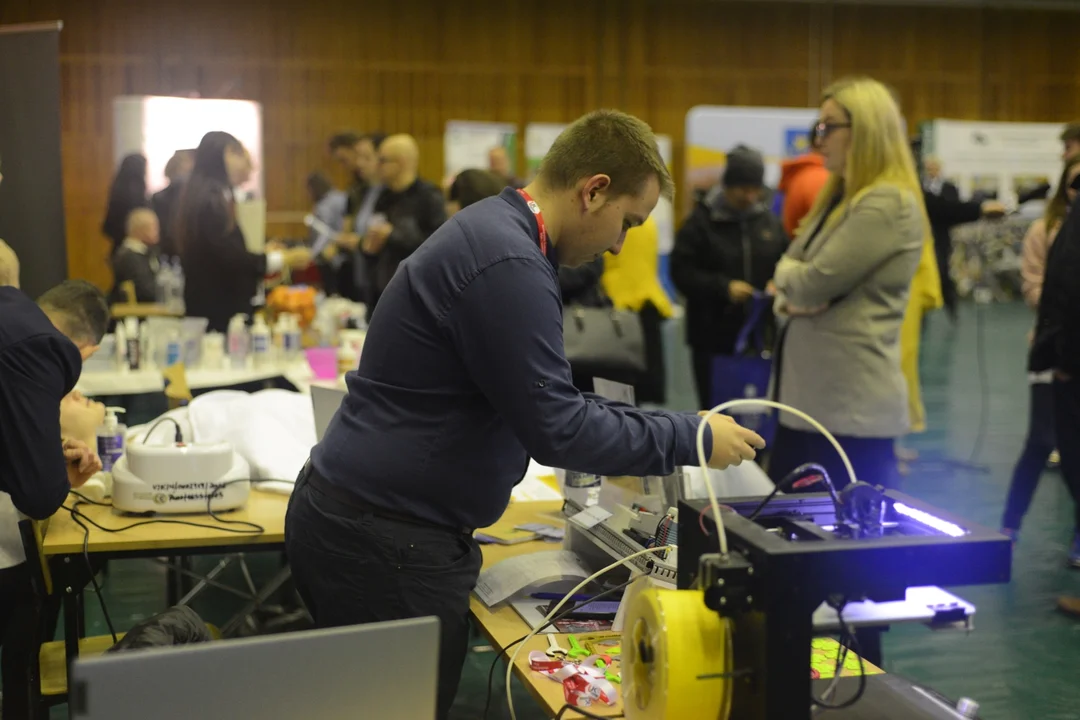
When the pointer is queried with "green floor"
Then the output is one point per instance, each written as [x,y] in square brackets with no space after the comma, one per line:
[1021,661]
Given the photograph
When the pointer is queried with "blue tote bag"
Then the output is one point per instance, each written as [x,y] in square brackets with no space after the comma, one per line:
[746,374]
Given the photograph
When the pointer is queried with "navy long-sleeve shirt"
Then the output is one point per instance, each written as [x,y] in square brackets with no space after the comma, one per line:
[463,378]
[38,367]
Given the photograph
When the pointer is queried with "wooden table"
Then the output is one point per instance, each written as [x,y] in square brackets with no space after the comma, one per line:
[503,625]
[64,541]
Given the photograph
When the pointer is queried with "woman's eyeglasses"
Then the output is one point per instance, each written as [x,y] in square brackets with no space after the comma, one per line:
[824,129]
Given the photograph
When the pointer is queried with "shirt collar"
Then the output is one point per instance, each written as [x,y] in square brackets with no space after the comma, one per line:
[136,246]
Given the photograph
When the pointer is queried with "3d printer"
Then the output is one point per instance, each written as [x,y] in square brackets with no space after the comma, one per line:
[747,624]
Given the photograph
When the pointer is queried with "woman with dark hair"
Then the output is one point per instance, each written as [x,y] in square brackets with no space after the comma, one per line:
[1040,442]
[128,192]
[221,276]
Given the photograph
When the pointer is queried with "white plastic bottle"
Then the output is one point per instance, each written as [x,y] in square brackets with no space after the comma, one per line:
[110,438]
[260,343]
[133,343]
[120,338]
[174,349]
[347,358]
[237,341]
[293,340]
[176,299]
[281,328]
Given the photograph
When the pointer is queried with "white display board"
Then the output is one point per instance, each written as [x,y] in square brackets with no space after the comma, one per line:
[158,126]
[538,140]
[467,144]
[995,157]
[711,131]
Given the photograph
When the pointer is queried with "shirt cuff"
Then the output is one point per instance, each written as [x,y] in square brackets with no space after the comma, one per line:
[686,440]
[275,262]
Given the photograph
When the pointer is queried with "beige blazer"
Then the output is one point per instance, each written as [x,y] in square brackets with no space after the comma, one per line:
[842,365]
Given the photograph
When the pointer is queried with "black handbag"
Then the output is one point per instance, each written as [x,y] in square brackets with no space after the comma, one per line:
[605,343]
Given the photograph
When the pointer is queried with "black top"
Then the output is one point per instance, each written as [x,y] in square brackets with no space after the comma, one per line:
[415,212]
[463,378]
[716,245]
[165,204]
[1057,331]
[38,367]
[220,276]
[140,268]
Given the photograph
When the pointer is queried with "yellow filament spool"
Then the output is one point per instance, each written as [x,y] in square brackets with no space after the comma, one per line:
[670,641]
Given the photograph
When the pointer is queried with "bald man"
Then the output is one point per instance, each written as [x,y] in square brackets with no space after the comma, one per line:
[137,258]
[406,213]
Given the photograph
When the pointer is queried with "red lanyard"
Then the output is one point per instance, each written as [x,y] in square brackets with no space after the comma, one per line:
[539,219]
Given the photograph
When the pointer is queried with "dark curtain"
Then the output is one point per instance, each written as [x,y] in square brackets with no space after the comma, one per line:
[31,194]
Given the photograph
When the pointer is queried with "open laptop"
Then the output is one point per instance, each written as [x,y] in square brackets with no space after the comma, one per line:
[325,400]
[383,670]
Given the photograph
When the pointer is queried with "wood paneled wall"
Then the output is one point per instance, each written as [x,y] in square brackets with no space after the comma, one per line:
[411,65]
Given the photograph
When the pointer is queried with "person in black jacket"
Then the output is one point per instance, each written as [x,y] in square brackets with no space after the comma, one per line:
[128,192]
[137,260]
[407,211]
[725,251]
[220,275]
[1056,347]
[165,202]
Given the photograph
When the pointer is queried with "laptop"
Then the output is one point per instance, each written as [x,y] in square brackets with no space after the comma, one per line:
[382,670]
[325,400]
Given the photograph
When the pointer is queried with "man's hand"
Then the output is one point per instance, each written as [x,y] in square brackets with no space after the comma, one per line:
[348,241]
[771,289]
[731,442]
[740,291]
[992,209]
[82,462]
[376,238]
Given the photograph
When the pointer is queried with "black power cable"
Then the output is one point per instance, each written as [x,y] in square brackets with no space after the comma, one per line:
[803,472]
[563,613]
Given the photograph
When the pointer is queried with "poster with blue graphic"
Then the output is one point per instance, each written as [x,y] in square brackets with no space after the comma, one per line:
[796,142]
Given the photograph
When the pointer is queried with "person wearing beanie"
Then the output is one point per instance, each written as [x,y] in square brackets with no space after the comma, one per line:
[724,254]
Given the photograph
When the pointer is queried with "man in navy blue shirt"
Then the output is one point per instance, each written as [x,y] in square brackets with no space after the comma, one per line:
[463,378]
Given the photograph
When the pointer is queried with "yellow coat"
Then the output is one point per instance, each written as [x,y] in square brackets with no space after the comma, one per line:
[631,278]
[925,296]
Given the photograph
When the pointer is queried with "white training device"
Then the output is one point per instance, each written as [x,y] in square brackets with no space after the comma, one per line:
[180,478]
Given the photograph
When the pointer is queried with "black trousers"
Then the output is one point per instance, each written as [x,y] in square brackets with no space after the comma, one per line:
[703,362]
[352,568]
[1040,442]
[874,459]
[18,617]
[1067,426]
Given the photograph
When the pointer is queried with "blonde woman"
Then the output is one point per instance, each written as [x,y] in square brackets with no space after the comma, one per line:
[843,287]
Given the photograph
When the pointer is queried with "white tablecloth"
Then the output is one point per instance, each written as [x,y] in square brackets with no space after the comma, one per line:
[115,382]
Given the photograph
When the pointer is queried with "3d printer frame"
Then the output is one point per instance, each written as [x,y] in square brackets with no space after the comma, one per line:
[783,564]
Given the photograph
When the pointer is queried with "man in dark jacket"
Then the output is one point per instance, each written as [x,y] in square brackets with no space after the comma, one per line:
[1057,347]
[136,260]
[725,252]
[165,202]
[407,211]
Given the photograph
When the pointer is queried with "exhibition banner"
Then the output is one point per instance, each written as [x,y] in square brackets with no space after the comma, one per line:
[995,159]
[711,131]
[467,145]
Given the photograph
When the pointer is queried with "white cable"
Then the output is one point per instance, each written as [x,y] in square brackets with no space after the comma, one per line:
[704,461]
[555,610]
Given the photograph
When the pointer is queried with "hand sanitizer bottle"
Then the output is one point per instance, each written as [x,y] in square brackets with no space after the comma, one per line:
[110,439]
[260,342]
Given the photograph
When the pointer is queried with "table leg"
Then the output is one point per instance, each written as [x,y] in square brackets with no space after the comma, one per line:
[263,595]
[870,644]
[72,629]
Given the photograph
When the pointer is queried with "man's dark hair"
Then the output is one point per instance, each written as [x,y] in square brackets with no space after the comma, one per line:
[79,308]
[318,186]
[473,185]
[1071,133]
[344,140]
[611,143]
